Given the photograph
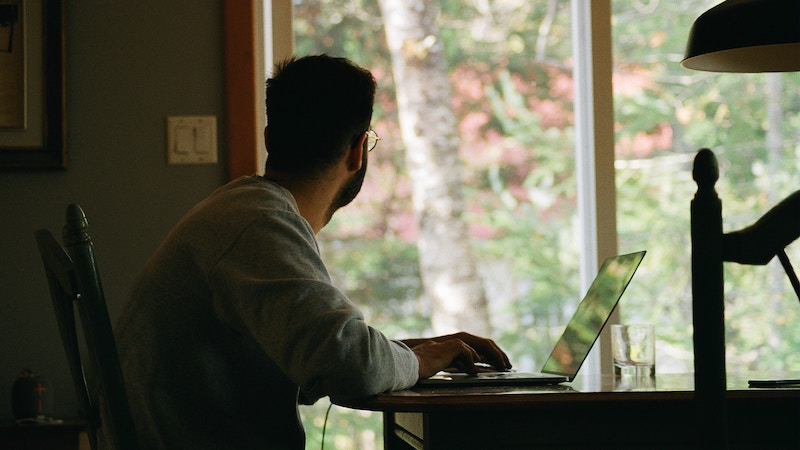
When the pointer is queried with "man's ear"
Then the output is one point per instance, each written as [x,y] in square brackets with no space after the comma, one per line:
[355,156]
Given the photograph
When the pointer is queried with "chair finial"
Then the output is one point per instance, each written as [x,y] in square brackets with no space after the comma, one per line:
[76,226]
[706,170]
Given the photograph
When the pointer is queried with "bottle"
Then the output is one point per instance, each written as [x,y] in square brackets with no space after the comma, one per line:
[32,397]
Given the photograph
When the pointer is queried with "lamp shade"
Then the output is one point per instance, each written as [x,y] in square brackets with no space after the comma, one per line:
[746,36]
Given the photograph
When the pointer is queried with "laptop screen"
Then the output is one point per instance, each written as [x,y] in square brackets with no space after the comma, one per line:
[593,312]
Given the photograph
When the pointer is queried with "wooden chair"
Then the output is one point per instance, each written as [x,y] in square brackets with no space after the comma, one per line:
[74,279]
[756,244]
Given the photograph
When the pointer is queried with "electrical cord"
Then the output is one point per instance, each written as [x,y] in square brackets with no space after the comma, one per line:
[325,426]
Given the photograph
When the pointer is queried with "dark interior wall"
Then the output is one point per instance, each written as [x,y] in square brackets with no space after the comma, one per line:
[129,65]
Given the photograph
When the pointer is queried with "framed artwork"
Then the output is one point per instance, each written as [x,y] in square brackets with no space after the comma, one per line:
[32,91]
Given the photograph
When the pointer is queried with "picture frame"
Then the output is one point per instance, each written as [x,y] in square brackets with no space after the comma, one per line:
[35,138]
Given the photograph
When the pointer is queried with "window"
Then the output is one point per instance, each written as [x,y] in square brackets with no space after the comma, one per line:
[516,125]
[510,66]
[663,115]
[510,120]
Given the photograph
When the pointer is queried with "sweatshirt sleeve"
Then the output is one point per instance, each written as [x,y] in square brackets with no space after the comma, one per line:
[272,287]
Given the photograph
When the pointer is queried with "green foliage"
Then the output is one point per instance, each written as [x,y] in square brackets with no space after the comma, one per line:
[383,276]
[344,429]
[724,112]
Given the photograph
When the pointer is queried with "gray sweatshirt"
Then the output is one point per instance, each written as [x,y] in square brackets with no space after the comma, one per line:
[233,317]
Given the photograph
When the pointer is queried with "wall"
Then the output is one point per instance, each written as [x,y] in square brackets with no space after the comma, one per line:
[129,65]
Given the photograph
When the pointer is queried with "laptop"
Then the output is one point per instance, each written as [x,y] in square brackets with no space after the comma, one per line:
[578,337]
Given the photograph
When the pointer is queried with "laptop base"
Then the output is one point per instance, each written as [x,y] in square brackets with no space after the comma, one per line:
[510,378]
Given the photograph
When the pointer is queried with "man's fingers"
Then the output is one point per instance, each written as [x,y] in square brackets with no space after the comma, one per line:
[436,356]
[488,352]
[460,351]
[467,357]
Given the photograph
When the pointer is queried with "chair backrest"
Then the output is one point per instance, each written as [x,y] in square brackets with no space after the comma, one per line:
[708,307]
[74,279]
[756,244]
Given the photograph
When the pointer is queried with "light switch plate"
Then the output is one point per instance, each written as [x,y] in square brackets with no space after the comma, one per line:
[191,139]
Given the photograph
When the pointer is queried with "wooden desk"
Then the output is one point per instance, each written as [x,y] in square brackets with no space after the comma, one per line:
[608,414]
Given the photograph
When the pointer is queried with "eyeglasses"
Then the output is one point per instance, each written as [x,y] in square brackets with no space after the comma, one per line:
[372,139]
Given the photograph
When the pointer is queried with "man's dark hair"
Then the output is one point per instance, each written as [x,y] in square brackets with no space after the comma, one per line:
[317,107]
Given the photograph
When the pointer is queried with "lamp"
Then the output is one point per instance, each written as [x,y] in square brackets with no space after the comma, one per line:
[746,36]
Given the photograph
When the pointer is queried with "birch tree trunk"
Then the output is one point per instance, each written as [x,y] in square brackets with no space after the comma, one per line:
[429,132]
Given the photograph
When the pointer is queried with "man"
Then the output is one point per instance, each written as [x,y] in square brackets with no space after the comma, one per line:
[234,319]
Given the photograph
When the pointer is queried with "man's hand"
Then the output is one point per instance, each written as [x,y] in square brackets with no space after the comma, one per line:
[460,350]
